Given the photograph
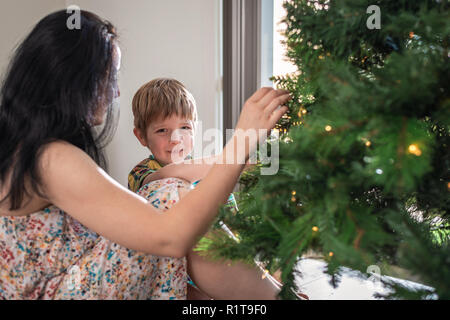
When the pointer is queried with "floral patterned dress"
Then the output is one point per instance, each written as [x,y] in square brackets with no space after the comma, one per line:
[50,255]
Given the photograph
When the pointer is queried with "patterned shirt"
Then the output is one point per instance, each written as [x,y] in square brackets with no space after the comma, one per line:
[141,171]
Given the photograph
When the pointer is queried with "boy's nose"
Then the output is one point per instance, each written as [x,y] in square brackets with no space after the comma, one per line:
[176,137]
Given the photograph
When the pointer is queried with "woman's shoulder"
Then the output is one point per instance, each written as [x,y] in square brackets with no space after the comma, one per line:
[61,160]
[59,150]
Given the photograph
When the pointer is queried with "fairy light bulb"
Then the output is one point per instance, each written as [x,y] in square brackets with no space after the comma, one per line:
[328,128]
[301,112]
[414,149]
[293,192]
[368,143]
[331,254]
[315,229]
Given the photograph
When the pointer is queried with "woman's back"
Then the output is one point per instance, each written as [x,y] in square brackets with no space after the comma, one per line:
[36,248]
[32,204]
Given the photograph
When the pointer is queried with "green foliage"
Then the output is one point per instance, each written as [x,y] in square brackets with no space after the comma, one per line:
[364,152]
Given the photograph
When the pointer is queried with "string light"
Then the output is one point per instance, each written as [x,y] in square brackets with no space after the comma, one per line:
[293,192]
[315,229]
[328,128]
[301,112]
[293,199]
[331,254]
[265,274]
[414,149]
[368,143]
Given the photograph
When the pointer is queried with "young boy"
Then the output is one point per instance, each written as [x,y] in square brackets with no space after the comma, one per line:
[164,119]
[165,114]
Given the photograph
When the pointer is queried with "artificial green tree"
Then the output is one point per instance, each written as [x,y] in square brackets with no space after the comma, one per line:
[364,159]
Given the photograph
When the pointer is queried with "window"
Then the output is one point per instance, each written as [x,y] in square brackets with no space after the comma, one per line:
[281,65]
[252,52]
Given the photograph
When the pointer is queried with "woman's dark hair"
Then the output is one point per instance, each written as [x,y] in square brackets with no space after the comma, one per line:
[55,83]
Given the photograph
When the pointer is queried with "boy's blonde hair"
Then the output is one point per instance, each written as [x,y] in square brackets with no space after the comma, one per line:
[162,98]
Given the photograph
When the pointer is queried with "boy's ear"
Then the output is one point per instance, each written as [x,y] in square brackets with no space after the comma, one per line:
[142,139]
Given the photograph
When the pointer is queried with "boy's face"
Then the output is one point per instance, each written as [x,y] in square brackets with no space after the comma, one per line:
[170,140]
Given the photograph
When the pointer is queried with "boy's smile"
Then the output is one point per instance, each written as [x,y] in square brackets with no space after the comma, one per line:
[169,140]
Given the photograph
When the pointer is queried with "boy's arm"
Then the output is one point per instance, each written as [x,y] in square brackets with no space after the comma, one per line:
[189,170]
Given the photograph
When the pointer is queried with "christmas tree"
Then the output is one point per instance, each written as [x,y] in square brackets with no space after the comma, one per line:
[364,151]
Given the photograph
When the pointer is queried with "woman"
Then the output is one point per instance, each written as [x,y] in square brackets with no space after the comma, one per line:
[67,229]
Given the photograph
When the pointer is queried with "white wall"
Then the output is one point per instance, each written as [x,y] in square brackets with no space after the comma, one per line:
[158,38]
[17,18]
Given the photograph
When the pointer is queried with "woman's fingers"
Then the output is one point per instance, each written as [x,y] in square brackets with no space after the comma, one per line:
[259,94]
[270,96]
[260,114]
[279,101]
[277,114]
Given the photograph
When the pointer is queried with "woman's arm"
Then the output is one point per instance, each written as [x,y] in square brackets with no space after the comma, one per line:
[74,183]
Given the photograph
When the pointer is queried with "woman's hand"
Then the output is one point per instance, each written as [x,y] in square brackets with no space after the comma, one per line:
[259,115]
[263,109]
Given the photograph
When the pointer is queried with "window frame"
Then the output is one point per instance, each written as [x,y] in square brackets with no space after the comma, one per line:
[247,54]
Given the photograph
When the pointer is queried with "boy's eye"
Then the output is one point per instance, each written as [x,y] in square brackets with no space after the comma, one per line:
[161,130]
[186,127]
